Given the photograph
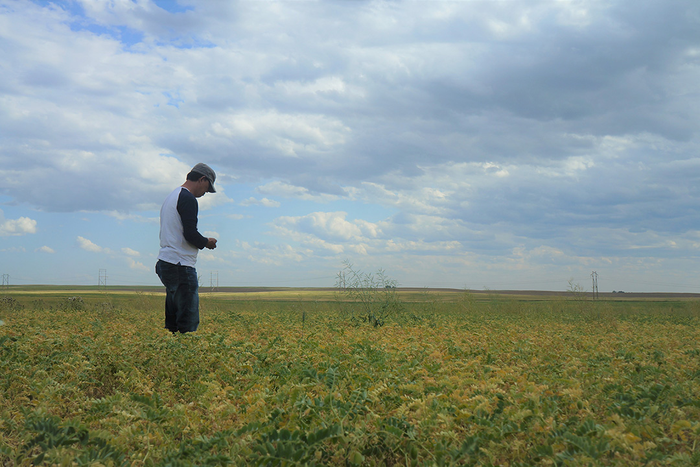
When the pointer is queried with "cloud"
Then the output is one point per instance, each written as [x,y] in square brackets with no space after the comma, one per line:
[123,216]
[288,135]
[212,200]
[324,232]
[268,203]
[376,96]
[133,264]
[45,249]
[270,255]
[329,225]
[87,245]
[524,132]
[14,250]
[129,252]
[286,190]
[16,227]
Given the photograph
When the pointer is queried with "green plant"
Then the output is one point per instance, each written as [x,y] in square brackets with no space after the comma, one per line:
[75,303]
[79,445]
[466,300]
[10,304]
[374,294]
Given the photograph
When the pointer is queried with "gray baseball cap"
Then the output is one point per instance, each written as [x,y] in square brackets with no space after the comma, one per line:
[205,170]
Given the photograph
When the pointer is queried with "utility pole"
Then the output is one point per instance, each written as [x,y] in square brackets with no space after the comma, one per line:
[594,277]
[5,280]
[214,280]
[102,281]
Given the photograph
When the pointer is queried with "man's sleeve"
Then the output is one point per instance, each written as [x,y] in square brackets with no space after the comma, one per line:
[188,209]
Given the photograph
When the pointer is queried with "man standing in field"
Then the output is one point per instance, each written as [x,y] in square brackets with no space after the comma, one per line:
[180,241]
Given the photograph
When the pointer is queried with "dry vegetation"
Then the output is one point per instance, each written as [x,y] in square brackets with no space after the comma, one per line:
[95,380]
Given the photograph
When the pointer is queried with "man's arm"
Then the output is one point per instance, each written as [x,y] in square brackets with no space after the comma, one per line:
[188,209]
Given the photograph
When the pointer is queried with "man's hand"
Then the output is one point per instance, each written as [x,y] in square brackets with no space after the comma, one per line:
[211,244]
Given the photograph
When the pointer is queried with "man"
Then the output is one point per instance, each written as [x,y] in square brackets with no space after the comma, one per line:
[180,241]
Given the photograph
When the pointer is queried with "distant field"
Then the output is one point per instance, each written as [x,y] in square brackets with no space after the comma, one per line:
[295,377]
[329,293]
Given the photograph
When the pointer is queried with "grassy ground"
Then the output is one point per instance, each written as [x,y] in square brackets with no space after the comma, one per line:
[464,379]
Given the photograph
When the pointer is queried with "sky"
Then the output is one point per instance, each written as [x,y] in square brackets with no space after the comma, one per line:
[474,144]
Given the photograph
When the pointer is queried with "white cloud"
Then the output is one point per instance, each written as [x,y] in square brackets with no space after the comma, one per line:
[290,135]
[87,245]
[45,249]
[14,249]
[443,248]
[286,190]
[268,203]
[213,200]
[129,252]
[272,255]
[330,225]
[16,227]
[133,264]
[332,232]
[322,87]
[122,216]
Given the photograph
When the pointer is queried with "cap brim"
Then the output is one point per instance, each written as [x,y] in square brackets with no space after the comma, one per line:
[211,187]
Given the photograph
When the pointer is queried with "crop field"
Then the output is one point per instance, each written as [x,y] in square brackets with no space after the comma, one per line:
[408,378]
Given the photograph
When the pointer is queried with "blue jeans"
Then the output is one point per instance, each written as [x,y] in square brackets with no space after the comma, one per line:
[181,296]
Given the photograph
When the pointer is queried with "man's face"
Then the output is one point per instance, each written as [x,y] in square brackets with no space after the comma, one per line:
[202,187]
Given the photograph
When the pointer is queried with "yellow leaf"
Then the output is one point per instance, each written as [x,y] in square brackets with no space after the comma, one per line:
[680,425]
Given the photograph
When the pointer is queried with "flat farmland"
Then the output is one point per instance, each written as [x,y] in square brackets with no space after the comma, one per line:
[307,377]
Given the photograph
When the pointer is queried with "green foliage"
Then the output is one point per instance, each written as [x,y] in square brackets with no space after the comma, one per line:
[279,447]
[467,382]
[9,304]
[50,435]
[75,303]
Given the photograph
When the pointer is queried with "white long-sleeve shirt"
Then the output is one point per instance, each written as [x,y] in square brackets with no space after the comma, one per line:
[180,241]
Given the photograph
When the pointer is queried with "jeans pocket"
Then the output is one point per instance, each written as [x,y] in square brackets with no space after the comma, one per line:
[168,273]
[189,277]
